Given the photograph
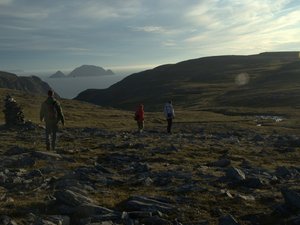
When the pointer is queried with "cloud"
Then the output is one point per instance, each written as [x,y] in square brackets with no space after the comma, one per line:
[101,10]
[169,43]
[6,2]
[150,29]
[181,29]
[246,23]
[217,14]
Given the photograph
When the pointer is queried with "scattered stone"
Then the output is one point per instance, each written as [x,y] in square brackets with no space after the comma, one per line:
[53,220]
[187,188]
[226,193]
[284,172]
[254,182]
[235,174]
[294,220]
[34,173]
[258,138]
[168,150]
[197,222]
[148,204]
[220,163]
[46,155]
[287,141]
[228,220]
[16,150]
[18,161]
[71,198]
[292,198]
[246,197]
[155,220]
[3,178]
[88,209]
[6,220]
[253,219]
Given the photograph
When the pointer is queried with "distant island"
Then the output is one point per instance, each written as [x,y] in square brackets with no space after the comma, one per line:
[58,74]
[84,71]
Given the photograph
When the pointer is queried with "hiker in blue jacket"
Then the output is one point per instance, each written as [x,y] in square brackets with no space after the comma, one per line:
[169,114]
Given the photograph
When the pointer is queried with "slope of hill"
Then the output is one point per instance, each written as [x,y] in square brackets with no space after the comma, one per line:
[209,81]
[89,71]
[32,84]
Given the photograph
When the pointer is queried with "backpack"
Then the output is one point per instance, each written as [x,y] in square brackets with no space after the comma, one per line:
[52,111]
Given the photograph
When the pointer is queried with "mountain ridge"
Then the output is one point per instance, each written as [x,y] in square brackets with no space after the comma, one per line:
[31,84]
[207,82]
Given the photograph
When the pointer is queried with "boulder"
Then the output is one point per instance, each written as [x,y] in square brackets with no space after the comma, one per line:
[228,220]
[71,198]
[220,163]
[155,220]
[292,198]
[88,209]
[253,182]
[46,155]
[235,174]
[148,204]
[53,219]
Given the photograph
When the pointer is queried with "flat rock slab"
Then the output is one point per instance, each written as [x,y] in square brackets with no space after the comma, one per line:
[46,155]
[88,209]
[71,198]
[141,203]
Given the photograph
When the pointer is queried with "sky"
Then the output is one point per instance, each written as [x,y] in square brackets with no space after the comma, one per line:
[45,35]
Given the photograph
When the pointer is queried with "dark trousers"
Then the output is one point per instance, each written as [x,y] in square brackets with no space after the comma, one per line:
[140,125]
[51,130]
[170,121]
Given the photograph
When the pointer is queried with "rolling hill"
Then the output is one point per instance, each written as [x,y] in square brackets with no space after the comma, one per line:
[266,79]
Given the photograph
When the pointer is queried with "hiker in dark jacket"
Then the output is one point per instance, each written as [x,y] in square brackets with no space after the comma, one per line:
[169,114]
[139,117]
[51,113]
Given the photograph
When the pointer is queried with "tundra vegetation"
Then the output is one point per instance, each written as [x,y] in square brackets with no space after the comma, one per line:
[221,165]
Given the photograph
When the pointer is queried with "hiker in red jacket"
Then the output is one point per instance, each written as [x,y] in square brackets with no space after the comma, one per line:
[139,117]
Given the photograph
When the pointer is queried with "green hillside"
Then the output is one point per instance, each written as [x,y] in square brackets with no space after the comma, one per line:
[270,79]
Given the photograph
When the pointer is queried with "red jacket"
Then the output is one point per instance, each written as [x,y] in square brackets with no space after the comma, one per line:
[140,113]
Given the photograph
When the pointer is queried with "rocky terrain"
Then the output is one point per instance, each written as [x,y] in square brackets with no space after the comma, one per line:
[234,170]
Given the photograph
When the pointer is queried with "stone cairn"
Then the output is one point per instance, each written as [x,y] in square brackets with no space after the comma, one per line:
[13,113]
